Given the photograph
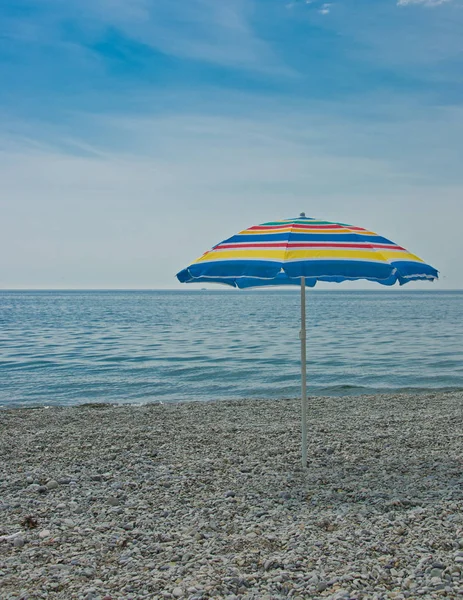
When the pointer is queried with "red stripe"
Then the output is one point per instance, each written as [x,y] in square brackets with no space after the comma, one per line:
[295,225]
[309,245]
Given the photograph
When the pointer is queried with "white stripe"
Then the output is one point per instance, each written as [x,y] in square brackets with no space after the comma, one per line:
[295,246]
[295,260]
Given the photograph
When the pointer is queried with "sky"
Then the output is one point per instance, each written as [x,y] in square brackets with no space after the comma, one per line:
[136,134]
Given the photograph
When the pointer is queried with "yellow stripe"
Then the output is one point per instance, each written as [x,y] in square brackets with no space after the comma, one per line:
[399,255]
[264,231]
[282,255]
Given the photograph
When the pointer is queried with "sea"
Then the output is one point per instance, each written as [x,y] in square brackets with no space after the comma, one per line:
[75,347]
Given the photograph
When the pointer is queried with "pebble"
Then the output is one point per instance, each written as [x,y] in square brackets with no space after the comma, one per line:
[229,513]
[18,542]
[436,573]
[44,534]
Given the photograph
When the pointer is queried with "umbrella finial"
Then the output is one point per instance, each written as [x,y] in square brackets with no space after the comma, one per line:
[302,214]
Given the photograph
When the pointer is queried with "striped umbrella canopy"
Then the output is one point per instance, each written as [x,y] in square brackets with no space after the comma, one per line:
[301,252]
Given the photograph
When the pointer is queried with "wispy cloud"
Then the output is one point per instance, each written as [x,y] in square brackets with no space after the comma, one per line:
[143,132]
[96,207]
[204,30]
[422,2]
[199,29]
[322,8]
[413,41]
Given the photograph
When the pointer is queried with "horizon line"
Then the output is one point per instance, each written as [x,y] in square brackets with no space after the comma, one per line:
[224,288]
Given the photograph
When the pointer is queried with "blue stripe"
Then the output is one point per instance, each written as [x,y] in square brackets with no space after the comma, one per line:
[247,273]
[409,271]
[234,268]
[346,269]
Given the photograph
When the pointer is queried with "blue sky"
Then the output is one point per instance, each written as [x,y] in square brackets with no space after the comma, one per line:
[136,134]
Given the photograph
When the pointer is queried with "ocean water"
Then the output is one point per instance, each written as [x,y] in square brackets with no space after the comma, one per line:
[63,348]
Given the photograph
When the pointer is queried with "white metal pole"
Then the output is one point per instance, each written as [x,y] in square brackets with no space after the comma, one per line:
[303,338]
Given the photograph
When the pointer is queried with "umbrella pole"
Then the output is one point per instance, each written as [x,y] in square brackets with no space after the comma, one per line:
[303,338]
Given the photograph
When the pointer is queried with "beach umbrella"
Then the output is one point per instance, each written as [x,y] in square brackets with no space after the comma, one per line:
[302,251]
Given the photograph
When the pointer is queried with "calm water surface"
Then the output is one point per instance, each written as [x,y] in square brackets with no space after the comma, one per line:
[75,347]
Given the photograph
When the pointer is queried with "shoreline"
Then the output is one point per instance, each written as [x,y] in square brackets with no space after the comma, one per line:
[207,499]
[345,392]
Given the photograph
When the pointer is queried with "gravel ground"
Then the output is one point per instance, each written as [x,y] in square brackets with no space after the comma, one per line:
[207,500]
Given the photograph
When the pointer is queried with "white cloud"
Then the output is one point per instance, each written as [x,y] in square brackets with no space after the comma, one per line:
[321,8]
[130,204]
[422,2]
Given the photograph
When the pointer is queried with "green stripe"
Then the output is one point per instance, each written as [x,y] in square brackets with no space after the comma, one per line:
[299,222]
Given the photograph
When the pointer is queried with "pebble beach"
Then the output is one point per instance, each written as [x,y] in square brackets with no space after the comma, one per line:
[208,500]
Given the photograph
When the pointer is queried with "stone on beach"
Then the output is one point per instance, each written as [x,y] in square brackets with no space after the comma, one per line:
[44,534]
[208,500]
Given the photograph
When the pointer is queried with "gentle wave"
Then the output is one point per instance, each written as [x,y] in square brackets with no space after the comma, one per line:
[59,348]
